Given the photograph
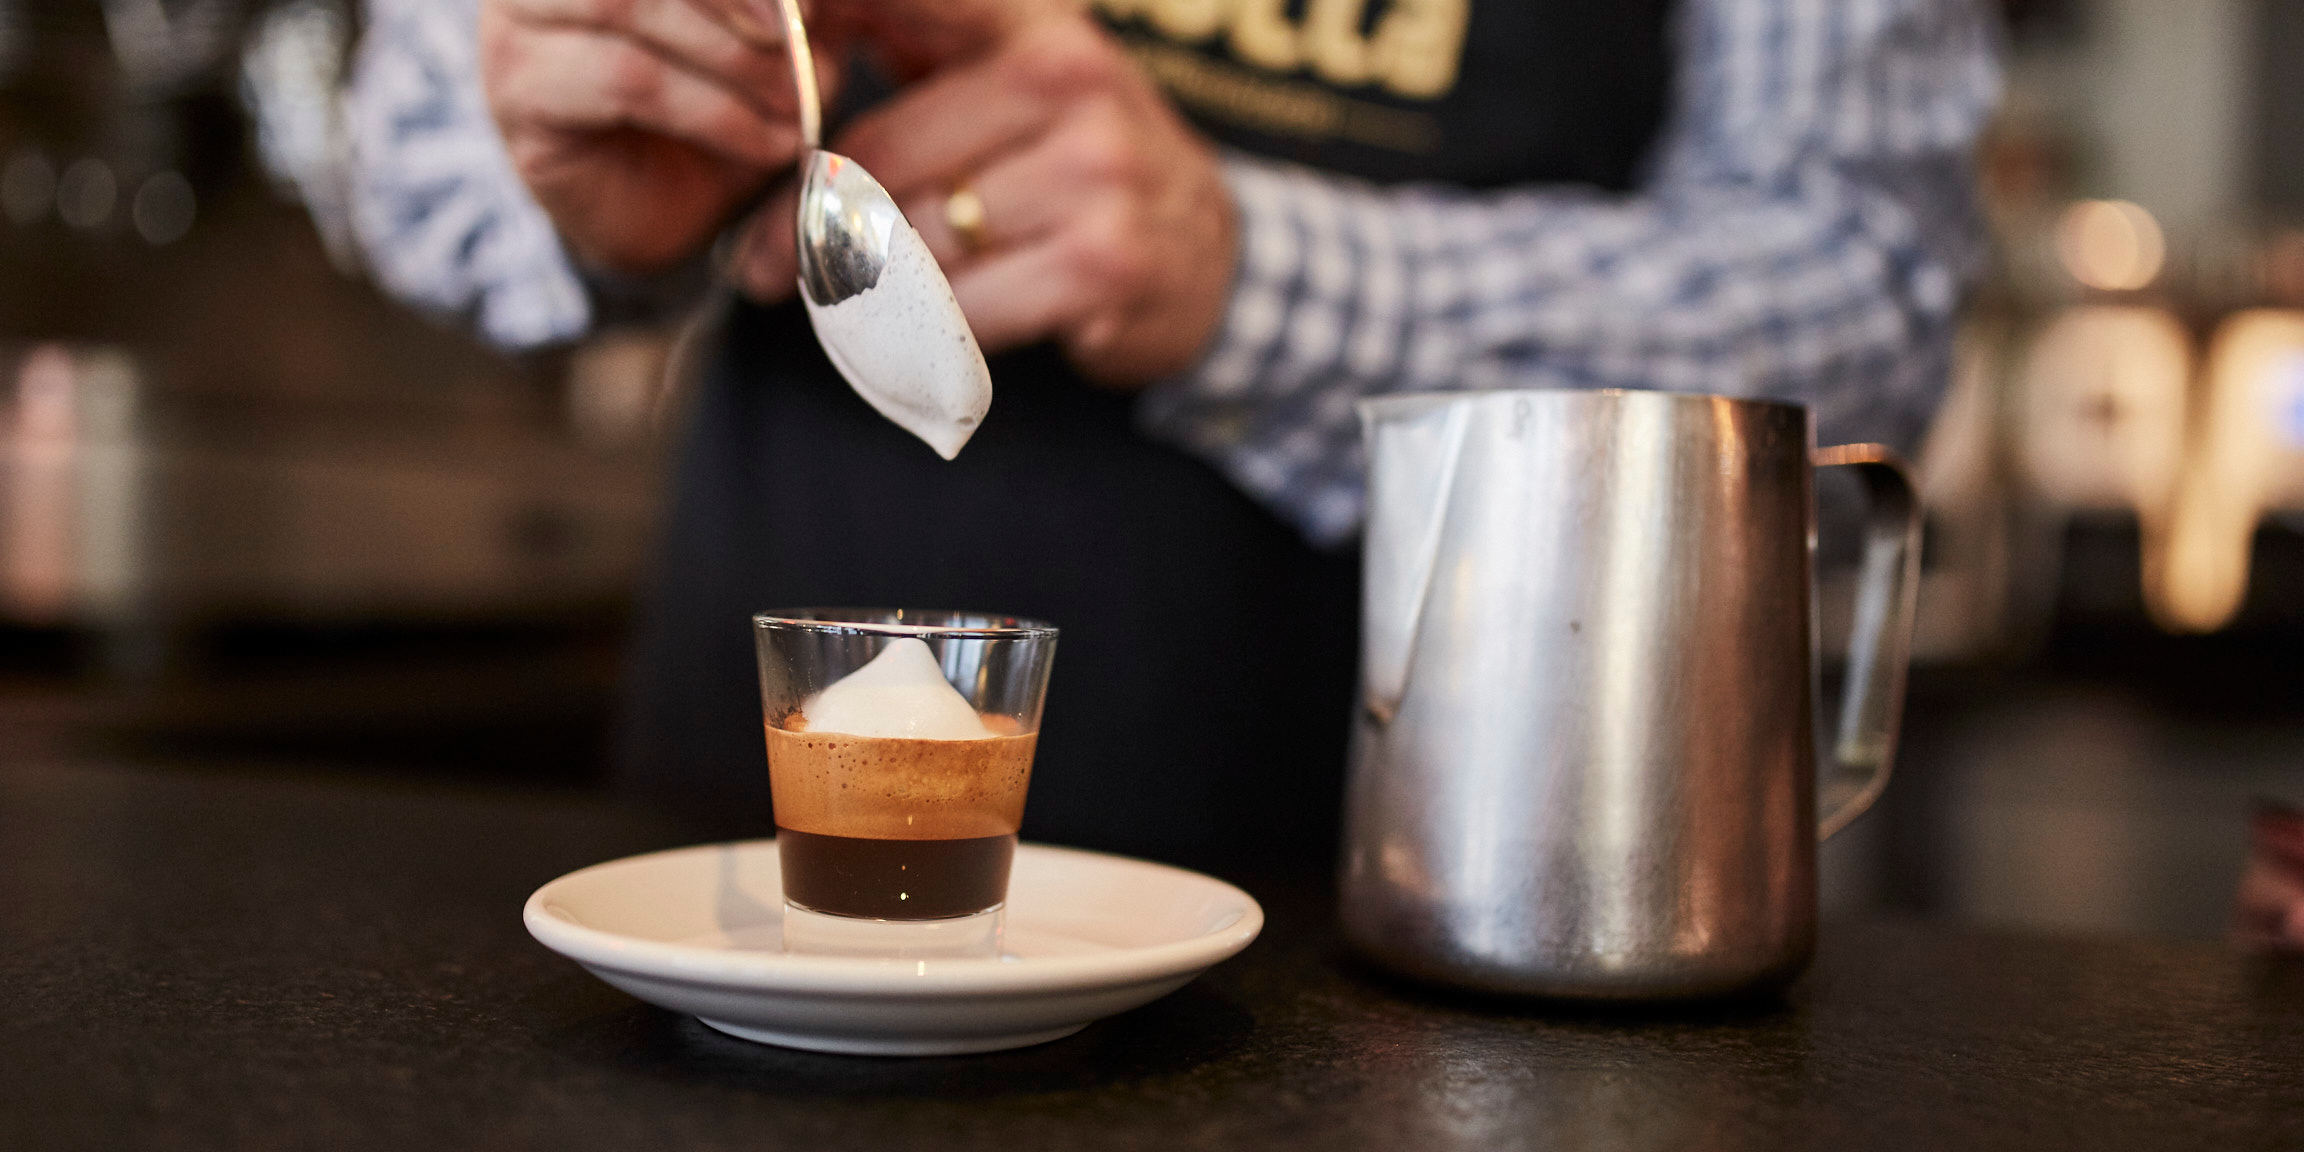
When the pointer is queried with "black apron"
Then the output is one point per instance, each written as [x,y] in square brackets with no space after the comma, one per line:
[1203,683]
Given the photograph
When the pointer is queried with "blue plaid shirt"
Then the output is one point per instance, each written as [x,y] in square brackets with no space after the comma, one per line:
[1804,233]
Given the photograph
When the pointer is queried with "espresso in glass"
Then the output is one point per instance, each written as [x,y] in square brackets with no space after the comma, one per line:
[897,828]
[899,751]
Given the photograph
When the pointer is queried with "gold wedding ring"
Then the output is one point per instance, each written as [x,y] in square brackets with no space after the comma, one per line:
[964,213]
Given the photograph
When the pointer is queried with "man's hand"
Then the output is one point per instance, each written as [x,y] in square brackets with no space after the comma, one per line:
[641,124]
[1106,225]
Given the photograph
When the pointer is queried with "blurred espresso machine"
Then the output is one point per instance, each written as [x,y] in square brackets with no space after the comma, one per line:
[205,414]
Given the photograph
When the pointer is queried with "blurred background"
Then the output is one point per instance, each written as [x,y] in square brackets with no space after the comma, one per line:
[251,512]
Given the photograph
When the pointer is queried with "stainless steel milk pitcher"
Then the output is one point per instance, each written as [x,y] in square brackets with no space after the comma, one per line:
[1584,761]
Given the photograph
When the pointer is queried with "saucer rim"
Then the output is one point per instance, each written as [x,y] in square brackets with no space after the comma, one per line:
[783,972]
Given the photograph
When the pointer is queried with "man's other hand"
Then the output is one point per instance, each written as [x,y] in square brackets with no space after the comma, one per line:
[640,125]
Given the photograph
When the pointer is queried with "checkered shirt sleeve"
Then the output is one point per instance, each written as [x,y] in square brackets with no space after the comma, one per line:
[443,219]
[1804,234]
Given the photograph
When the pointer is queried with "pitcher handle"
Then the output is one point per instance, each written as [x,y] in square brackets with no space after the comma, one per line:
[1880,642]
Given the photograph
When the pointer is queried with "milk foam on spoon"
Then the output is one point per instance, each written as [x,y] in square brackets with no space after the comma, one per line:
[901,693]
[905,348]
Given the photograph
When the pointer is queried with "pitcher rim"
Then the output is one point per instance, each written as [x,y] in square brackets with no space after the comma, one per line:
[1379,405]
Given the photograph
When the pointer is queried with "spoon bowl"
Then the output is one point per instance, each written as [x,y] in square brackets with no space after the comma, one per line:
[847,225]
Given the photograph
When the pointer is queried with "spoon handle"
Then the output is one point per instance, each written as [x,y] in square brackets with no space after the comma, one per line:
[803,76]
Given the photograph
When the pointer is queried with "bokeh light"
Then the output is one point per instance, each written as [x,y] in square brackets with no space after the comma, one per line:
[163,208]
[2111,245]
[85,197]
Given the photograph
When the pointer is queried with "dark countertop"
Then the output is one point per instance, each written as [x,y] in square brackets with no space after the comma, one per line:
[205,960]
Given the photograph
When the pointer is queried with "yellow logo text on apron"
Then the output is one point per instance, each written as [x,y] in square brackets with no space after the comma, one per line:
[1409,49]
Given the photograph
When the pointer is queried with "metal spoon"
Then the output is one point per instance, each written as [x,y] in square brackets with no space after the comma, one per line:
[846,217]
[905,349]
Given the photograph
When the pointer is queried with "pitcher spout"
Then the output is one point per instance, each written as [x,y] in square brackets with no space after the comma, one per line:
[1414,444]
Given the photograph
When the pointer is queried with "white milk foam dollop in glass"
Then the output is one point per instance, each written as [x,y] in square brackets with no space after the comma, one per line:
[902,693]
[905,347]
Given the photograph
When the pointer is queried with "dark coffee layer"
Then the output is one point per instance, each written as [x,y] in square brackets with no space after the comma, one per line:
[894,879]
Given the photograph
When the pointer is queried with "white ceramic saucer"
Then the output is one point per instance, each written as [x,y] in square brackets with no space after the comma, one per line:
[699,930]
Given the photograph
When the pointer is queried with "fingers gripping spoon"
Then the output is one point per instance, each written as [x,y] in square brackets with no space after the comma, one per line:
[880,306]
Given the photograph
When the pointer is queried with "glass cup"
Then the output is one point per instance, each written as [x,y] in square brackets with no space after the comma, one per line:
[899,747]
